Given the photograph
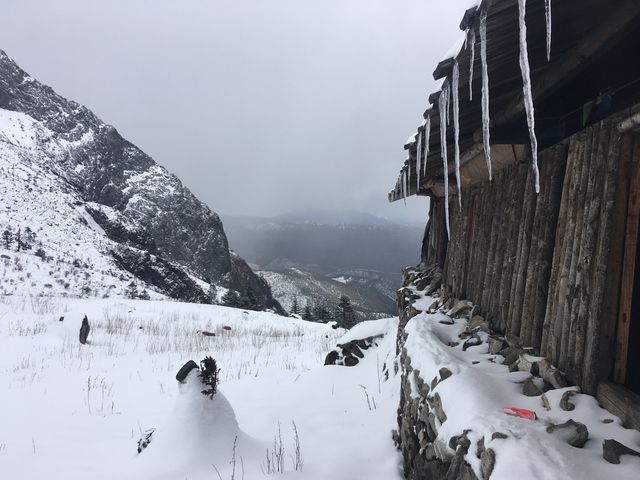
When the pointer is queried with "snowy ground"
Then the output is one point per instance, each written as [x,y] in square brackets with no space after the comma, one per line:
[480,387]
[76,412]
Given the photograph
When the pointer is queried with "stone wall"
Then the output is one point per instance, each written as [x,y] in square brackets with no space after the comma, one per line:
[419,413]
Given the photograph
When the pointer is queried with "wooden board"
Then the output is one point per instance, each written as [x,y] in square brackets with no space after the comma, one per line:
[628,268]
[621,402]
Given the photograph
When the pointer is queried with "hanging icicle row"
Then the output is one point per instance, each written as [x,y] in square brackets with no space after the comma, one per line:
[485,90]
[456,125]
[443,105]
[526,88]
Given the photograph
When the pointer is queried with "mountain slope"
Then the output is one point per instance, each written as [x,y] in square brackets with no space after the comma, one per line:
[102,197]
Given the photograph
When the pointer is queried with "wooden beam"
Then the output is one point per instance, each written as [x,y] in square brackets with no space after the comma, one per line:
[433,98]
[468,18]
[628,268]
[473,169]
[509,134]
[443,69]
[620,402]
[621,18]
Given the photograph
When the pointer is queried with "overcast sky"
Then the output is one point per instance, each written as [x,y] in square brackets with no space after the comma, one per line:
[259,106]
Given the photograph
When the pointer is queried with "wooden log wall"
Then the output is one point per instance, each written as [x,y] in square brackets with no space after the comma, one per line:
[538,265]
[434,248]
[585,275]
[500,251]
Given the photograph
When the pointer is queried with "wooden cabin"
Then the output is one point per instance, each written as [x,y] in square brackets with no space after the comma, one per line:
[559,268]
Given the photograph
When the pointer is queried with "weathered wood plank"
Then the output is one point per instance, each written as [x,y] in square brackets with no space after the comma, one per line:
[603,261]
[602,354]
[524,240]
[555,173]
[621,402]
[628,269]
[568,298]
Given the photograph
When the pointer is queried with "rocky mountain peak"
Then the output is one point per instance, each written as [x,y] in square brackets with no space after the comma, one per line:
[150,217]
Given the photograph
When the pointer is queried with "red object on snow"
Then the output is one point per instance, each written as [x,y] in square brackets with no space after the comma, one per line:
[520,412]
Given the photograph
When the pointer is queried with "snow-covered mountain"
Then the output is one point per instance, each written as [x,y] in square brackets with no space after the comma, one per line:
[102,216]
[371,293]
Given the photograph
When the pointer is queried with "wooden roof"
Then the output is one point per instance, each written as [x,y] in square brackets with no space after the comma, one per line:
[582,31]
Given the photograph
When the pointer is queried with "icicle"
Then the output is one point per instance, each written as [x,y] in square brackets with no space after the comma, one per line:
[427,135]
[485,90]
[547,14]
[442,104]
[456,125]
[526,88]
[418,160]
[472,46]
[448,100]
[404,187]
[409,176]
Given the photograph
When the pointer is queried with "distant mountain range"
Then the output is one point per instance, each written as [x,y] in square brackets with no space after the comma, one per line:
[317,256]
[327,241]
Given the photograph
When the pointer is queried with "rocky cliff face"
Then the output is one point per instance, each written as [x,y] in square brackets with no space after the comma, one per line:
[158,230]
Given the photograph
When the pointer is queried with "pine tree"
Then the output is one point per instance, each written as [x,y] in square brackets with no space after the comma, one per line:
[7,236]
[295,308]
[252,302]
[18,241]
[231,299]
[306,313]
[29,238]
[345,315]
[144,295]
[321,313]
[132,290]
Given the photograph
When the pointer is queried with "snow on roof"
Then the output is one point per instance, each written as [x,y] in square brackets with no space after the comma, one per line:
[454,50]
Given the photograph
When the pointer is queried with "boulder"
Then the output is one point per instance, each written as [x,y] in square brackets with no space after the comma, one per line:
[487,463]
[511,355]
[332,358]
[530,389]
[477,323]
[496,345]
[612,450]
[565,403]
[474,341]
[444,373]
[84,330]
[350,353]
[552,375]
[577,433]
[526,364]
[436,405]
[460,309]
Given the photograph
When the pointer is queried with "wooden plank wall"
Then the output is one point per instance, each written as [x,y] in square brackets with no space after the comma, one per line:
[538,265]
[500,250]
[581,263]
[435,250]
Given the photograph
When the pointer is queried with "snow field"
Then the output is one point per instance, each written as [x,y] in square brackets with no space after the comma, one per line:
[72,411]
